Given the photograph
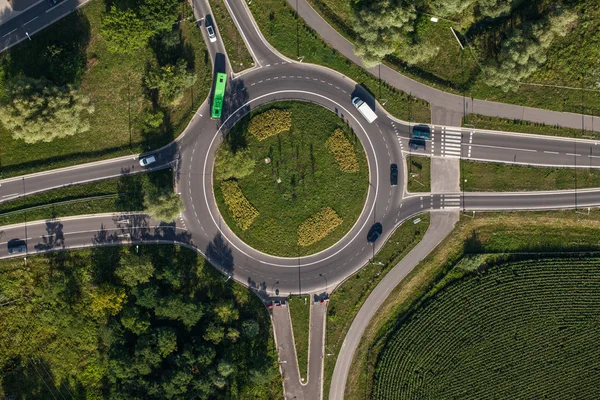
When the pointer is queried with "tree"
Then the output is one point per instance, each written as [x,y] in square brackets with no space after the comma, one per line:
[226,312]
[159,15]
[163,206]
[166,341]
[124,31]
[446,8]
[525,50]
[417,52]
[106,300]
[250,328]
[381,27]
[135,320]
[37,111]
[170,82]
[225,368]
[134,270]
[494,8]
[233,165]
[214,333]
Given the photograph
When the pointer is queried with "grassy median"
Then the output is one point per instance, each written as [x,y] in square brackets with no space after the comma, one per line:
[347,298]
[300,315]
[489,177]
[238,53]
[515,125]
[419,174]
[535,232]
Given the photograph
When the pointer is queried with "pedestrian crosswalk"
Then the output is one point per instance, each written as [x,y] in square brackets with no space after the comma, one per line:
[450,201]
[451,143]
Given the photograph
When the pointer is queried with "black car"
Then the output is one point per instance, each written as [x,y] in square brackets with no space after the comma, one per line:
[374,232]
[16,246]
[417,144]
[394,174]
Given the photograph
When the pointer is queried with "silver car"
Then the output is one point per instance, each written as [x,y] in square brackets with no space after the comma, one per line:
[211,34]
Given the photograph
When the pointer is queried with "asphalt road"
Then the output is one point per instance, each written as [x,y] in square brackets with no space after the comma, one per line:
[277,78]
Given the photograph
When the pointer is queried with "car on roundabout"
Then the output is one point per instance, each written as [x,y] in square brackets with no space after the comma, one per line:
[374,233]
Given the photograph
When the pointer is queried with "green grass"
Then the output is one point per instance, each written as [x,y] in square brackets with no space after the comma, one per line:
[520,329]
[278,22]
[489,177]
[300,315]
[310,181]
[347,299]
[459,72]
[487,233]
[114,85]
[419,174]
[514,125]
[118,194]
[238,54]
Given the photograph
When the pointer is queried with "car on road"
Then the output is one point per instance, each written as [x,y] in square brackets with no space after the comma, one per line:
[394,175]
[421,131]
[16,246]
[145,161]
[375,232]
[417,144]
[211,34]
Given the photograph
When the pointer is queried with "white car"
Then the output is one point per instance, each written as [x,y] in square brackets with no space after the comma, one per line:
[211,34]
[144,162]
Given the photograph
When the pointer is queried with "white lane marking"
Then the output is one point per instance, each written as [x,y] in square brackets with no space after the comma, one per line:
[572,154]
[550,152]
[10,32]
[9,195]
[504,148]
[31,20]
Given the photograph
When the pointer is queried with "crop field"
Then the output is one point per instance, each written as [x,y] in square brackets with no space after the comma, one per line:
[515,330]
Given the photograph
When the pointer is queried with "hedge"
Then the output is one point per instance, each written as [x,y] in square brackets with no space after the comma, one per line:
[318,226]
[239,207]
[343,151]
[270,123]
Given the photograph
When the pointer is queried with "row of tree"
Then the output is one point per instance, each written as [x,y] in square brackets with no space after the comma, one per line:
[387,27]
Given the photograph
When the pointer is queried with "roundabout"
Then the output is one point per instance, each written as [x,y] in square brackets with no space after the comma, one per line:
[285,181]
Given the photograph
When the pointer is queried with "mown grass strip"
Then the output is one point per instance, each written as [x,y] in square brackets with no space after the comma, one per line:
[419,174]
[347,298]
[343,151]
[318,226]
[300,315]
[241,210]
[281,26]
[488,177]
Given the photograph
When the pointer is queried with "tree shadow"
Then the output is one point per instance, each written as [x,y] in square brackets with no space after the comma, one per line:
[54,238]
[219,254]
[60,57]
[33,379]
[130,191]
[235,110]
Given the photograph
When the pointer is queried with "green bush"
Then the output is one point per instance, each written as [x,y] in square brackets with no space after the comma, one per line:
[343,151]
[239,207]
[270,123]
[318,226]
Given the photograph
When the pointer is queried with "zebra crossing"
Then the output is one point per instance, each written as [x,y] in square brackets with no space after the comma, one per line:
[450,201]
[451,143]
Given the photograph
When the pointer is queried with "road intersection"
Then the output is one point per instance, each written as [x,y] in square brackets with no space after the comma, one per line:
[276,78]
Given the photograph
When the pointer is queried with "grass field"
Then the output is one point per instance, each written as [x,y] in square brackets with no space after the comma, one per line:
[510,125]
[489,177]
[238,54]
[521,330]
[347,299]
[535,232]
[310,181]
[568,64]
[419,174]
[114,85]
[300,315]
[292,37]
[112,195]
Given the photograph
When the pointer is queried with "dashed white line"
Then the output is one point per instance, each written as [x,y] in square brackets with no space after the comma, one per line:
[551,152]
[572,154]
[31,20]
[9,32]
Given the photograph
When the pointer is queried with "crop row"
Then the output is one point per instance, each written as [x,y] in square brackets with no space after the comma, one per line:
[318,226]
[343,151]
[520,330]
[239,207]
[270,123]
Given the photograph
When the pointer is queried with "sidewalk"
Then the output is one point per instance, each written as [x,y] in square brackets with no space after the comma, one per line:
[11,8]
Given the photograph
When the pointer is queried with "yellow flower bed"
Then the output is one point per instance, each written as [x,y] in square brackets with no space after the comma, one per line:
[318,226]
[343,151]
[270,123]
[240,208]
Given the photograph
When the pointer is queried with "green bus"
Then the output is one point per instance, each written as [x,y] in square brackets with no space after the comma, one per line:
[217,105]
